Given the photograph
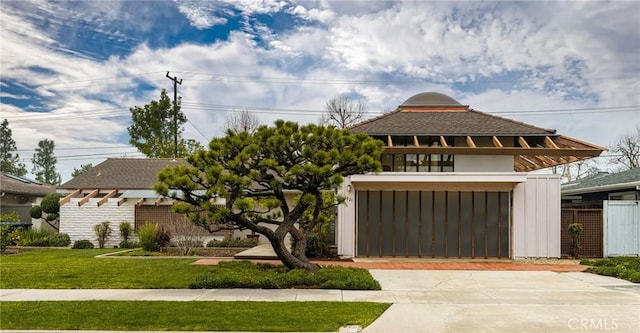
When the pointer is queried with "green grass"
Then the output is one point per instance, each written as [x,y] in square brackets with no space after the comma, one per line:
[627,268]
[79,269]
[188,316]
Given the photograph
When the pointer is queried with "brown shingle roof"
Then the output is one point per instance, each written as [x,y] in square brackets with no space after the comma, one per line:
[122,173]
[434,122]
[19,185]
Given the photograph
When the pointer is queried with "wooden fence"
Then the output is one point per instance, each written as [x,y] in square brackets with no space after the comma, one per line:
[590,240]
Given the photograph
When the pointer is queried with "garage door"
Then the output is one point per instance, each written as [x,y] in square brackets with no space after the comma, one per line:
[444,224]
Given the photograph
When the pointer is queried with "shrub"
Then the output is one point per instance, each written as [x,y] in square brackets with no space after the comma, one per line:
[51,203]
[8,234]
[316,247]
[5,237]
[10,217]
[245,274]
[35,212]
[187,246]
[627,268]
[125,230]
[163,237]
[59,239]
[233,242]
[36,237]
[83,244]
[103,231]
[48,210]
[147,236]
[127,244]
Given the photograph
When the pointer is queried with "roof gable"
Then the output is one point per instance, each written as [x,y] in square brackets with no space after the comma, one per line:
[122,173]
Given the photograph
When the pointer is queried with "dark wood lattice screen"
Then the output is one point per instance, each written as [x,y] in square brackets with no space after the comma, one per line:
[590,240]
[163,216]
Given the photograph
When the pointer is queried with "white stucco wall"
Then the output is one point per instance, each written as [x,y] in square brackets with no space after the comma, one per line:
[483,163]
[78,221]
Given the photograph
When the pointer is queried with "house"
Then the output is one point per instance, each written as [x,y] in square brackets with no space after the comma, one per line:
[607,207]
[593,190]
[19,194]
[456,183]
[116,190]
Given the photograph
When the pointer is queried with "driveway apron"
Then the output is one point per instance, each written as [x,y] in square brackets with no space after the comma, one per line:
[506,301]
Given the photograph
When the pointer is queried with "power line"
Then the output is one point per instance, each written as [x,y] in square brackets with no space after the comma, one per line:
[81,148]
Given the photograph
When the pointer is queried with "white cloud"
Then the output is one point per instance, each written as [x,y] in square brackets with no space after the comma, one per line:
[385,52]
[201,15]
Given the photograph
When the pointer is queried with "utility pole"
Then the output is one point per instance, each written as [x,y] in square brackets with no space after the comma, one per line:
[175,112]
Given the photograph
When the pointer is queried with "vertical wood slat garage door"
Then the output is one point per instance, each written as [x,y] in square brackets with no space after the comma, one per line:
[446,224]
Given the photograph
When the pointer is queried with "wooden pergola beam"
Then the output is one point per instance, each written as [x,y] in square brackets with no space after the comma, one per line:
[564,152]
[389,141]
[415,141]
[158,201]
[88,196]
[140,202]
[496,142]
[549,143]
[68,197]
[443,142]
[523,143]
[121,201]
[524,158]
[470,142]
[106,197]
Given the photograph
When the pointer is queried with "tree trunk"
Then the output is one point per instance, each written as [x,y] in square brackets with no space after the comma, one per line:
[287,258]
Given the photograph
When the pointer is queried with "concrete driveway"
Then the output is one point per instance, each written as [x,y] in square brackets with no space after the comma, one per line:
[506,301]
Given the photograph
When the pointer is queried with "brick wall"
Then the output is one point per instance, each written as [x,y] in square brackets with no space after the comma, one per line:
[78,221]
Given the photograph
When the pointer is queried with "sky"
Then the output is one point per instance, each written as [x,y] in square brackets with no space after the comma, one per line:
[70,70]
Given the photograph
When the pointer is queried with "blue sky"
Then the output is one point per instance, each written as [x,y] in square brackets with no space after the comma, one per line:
[70,71]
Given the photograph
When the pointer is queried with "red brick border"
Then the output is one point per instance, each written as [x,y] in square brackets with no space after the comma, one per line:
[405,265]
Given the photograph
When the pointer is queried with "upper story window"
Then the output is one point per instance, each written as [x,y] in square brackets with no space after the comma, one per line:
[416,162]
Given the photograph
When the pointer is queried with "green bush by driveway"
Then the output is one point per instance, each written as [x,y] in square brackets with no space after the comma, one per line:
[627,268]
[244,274]
[69,269]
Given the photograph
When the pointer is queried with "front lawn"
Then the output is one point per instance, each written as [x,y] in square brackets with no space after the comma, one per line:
[79,269]
[627,268]
[188,316]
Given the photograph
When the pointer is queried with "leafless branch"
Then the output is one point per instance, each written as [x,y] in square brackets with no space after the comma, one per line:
[343,111]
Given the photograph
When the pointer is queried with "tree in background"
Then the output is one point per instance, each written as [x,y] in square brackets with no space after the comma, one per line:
[626,152]
[243,121]
[81,169]
[152,131]
[44,163]
[576,170]
[9,159]
[343,111]
[256,171]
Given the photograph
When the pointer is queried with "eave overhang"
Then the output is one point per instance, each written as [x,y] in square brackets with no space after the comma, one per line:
[557,150]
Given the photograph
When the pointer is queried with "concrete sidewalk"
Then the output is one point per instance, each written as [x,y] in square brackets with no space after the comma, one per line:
[437,301]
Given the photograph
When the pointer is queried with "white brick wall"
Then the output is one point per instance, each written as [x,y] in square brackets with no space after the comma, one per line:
[78,222]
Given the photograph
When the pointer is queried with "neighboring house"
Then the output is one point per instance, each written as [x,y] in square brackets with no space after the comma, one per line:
[456,183]
[607,205]
[116,190]
[591,191]
[19,194]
